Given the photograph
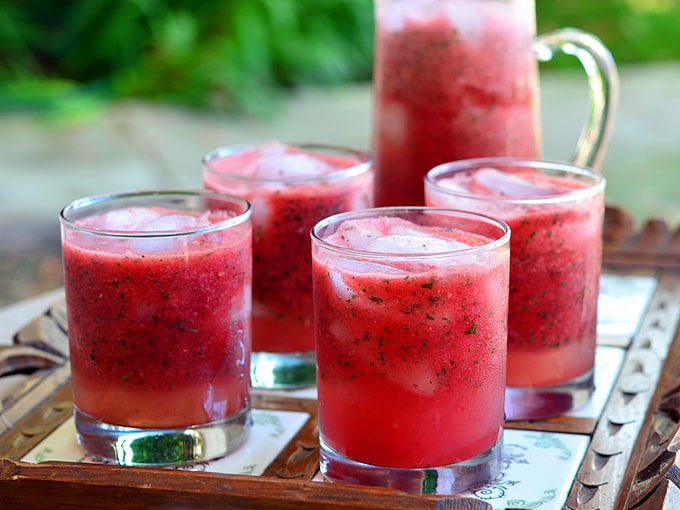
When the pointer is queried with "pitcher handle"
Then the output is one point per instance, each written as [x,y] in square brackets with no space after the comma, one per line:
[603,81]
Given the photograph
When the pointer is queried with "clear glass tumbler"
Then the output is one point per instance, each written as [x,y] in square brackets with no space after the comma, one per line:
[291,187]
[410,315]
[158,294]
[555,212]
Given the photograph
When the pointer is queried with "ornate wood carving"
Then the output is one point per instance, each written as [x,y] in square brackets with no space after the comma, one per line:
[603,476]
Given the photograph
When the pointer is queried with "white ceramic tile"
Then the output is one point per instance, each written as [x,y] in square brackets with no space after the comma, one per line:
[608,361]
[538,470]
[622,303]
[271,431]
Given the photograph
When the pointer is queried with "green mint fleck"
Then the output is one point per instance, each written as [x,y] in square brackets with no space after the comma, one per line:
[472,330]
[165,295]
[427,285]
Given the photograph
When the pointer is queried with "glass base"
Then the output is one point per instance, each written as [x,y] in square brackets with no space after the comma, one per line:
[282,370]
[129,446]
[534,403]
[452,479]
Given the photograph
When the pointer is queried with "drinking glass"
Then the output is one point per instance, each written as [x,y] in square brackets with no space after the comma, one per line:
[158,295]
[555,212]
[291,187]
[458,79]
[410,312]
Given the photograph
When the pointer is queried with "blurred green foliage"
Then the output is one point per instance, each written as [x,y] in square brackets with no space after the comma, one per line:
[239,55]
[229,54]
[633,30]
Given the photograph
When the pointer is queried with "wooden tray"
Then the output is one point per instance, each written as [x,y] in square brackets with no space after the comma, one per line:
[629,462]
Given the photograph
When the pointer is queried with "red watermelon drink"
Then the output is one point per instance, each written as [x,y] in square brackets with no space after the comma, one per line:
[291,188]
[555,212]
[410,316]
[158,293]
[453,79]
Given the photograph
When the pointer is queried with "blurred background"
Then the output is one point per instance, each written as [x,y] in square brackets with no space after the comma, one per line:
[104,95]
[242,55]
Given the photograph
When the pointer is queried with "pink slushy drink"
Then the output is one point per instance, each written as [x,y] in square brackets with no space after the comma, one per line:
[291,188]
[555,213]
[158,305]
[453,79]
[410,313]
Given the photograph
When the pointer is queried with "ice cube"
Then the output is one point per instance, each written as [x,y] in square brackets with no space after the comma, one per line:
[454,185]
[176,223]
[403,244]
[418,378]
[365,267]
[146,219]
[393,235]
[260,209]
[278,161]
[140,220]
[338,269]
[405,229]
[467,19]
[156,245]
[271,149]
[341,289]
[130,219]
[422,12]
[391,18]
[512,185]
[357,235]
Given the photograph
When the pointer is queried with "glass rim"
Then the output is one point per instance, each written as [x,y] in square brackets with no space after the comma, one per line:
[365,161]
[438,171]
[82,203]
[503,239]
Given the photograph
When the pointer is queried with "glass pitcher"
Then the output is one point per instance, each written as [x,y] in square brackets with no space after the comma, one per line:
[458,79]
